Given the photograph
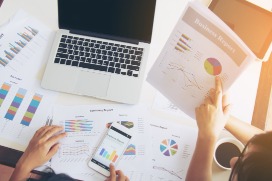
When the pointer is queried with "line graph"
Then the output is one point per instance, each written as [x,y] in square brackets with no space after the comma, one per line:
[189,79]
[176,174]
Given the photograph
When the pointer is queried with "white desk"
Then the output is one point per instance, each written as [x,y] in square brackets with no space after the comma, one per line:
[167,12]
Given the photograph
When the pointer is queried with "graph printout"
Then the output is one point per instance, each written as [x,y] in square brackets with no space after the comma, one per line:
[199,48]
[25,43]
[24,47]
[77,148]
[172,149]
[22,113]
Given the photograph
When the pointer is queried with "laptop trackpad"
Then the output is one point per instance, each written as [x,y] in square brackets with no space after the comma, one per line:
[92,84]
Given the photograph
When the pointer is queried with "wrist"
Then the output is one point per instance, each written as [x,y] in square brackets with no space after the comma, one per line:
[207,136]
[20,166]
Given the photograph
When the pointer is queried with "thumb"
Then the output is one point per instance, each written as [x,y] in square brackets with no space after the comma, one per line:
[112,173]
[227,109]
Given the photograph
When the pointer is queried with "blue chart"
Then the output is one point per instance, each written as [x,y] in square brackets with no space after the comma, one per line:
[15,47]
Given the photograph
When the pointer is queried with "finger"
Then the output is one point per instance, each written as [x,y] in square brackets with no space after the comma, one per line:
[218,92]
[54,139]
[45,130]
[225,100]
[208,100]
[212,94]
[226,109]
[121,176]
[126,178]
[53,151]
[39,131]
[112,173]
[50,132]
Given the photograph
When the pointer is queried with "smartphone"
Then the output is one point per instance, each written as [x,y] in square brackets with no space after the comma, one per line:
[111,148]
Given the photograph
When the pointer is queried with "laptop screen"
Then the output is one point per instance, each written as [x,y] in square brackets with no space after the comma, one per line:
[130,19]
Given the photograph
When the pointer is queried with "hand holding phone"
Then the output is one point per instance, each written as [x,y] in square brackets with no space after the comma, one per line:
[110,149]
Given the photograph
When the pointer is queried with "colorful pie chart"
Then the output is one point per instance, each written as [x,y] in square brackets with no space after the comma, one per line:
[212,66]
[168,147]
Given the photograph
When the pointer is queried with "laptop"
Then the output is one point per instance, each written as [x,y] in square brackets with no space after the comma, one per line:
[250,22]
[101,48]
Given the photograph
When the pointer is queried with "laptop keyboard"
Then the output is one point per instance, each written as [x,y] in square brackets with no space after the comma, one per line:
[99,55]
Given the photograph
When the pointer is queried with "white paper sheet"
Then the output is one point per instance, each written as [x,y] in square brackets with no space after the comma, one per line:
[199,48]
[77,148]
[172,149]
[24,104]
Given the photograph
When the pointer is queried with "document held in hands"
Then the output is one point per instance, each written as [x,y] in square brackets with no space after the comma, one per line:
[200,47]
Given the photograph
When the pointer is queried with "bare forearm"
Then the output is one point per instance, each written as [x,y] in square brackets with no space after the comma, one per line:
[241,130]
[20,174]
[201,164]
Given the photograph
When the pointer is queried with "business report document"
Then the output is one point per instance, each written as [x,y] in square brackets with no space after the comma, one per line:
[200,47]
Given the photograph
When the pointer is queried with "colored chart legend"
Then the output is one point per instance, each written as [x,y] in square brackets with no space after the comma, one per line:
[3,92]
[212,66]
[109,156]
[18,99]
[131,150]
[168,147]
[78,125]
[32,108]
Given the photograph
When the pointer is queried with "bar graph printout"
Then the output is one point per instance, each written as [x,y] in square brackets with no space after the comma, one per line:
[22,112]
[77,148]
[199,48]
[24,47]
[24,106]
[22,42]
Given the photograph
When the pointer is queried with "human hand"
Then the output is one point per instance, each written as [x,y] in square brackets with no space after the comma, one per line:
[117,175]
[41,147]
[212,115]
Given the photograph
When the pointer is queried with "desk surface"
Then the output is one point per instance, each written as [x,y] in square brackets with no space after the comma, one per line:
[243,92]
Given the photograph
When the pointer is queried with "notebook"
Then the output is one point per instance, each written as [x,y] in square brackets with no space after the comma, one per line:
[101,48]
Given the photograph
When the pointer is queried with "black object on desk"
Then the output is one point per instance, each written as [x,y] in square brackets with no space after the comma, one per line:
[9,156]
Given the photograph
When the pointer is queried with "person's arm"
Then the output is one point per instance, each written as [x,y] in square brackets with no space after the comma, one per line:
[211,118]
[241,130]
[41,148]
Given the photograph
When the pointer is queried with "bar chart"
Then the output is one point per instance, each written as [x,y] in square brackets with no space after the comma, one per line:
[32,108]
[112,156]
[183,44]
[14,48]
[4,92]
[78,125]
[13,108]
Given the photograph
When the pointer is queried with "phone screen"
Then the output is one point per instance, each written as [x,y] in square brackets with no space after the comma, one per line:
[111,148]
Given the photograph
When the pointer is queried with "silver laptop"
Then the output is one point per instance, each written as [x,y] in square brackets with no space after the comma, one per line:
[101,48]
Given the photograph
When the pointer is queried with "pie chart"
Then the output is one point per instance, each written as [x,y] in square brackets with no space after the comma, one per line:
[168,147]
[212,66]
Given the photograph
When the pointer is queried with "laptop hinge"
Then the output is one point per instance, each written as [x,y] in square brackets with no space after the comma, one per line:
[110,37]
